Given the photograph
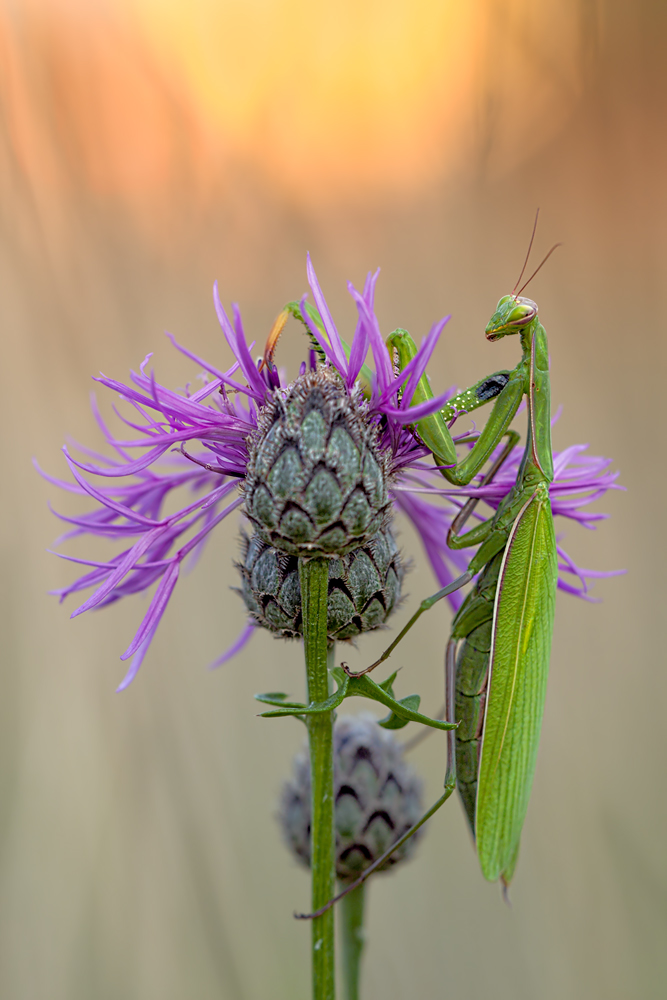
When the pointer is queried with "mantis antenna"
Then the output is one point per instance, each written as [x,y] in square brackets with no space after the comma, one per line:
[530,247]
[554,247]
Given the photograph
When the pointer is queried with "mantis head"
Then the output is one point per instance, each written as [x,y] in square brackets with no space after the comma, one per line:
[512,314]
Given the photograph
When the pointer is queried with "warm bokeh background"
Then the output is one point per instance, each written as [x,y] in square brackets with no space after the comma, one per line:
[149,147]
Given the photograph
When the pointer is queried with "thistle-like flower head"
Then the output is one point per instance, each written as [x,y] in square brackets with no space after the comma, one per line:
[377,799]
[364,587]
[317,480]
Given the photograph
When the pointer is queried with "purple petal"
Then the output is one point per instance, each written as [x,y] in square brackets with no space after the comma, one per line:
[155,611]
[137,660]
[209,527]
[103,427]
[415,413]
[61,483]
[125,470]
[101,498]
[236,647]
[123,567]
[424,356]
[359,348]
[195,357]
[383,366]
[239,349]
[576,592]
[327,318]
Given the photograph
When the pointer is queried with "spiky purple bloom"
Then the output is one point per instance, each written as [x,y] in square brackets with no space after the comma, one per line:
[218,419]
[579,480]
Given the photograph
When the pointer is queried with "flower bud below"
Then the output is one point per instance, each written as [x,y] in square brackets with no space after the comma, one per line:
[316,483]
[364,587]
[378,798]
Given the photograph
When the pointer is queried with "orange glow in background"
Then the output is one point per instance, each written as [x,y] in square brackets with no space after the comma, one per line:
[323,100]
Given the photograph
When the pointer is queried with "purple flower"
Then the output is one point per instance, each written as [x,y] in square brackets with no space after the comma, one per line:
[579,480]
[149,461]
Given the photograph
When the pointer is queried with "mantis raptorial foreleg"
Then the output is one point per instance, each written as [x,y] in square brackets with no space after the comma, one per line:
[507,388]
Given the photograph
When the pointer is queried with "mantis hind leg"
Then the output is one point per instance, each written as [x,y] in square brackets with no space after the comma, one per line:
[506,387]
[424,606]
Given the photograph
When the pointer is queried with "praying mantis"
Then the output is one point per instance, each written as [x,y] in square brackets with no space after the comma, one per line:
[505,624]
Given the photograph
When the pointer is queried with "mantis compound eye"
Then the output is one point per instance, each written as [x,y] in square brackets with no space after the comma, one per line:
[524,311]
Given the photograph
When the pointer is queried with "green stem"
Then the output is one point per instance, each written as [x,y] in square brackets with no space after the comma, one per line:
[352,939]
[314,579]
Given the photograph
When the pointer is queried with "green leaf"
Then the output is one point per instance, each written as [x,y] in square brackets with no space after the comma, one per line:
[278,698]
[339,676]
[406,709]
[333,701]
[394,721]
[388,685]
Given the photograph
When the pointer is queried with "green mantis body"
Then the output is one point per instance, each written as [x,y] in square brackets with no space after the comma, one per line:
[505,624]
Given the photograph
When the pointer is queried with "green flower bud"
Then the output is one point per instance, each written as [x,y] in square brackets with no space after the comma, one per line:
[378,798]
[316,483]
[364,587]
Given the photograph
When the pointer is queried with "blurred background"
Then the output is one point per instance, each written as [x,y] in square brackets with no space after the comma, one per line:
[149,148]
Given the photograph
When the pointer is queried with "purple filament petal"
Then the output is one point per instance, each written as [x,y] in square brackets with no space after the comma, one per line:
[236,646]
[339,359]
